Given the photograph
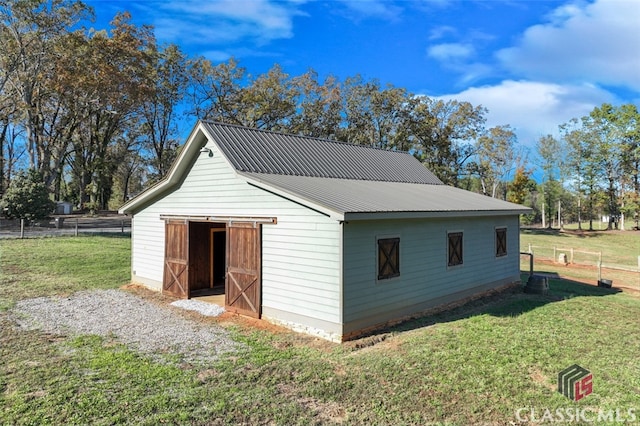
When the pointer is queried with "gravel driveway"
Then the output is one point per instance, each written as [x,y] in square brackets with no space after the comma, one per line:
[142,325]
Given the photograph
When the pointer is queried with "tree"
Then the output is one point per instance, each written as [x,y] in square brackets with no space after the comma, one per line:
[520,186]
[167,83]
[215,92]
[443,133]
[549,151]
[601,126]
[111,83]
[27,198]
[319,106]
[628,125]
[29,32]
[496,157]
[269,102]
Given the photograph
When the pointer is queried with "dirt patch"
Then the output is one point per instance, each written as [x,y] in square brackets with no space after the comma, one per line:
[286,337]
[326,412]
[627,281]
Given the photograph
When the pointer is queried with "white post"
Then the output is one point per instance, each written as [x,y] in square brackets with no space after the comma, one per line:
[559,217]
[21,228]
[599,266]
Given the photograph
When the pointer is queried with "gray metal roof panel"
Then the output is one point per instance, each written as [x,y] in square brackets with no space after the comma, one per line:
[259,151]
[358,196]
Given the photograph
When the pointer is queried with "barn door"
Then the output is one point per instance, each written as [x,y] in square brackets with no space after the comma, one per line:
[175,281]
[243,281]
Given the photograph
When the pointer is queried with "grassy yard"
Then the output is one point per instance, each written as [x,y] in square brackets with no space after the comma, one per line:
[479,364]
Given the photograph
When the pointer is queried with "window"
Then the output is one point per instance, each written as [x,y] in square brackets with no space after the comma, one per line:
[455,248]
[501,242]
[388,258]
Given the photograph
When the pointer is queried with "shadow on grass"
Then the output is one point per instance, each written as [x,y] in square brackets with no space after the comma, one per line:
[117,235]
[580,233]
[509,303]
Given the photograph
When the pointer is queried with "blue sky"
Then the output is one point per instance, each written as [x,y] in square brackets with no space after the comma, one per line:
[534,64]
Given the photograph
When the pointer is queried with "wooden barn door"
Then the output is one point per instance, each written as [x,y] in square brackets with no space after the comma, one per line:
[175,281]
[243,281]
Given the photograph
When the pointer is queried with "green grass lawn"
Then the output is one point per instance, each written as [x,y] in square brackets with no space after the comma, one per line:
[477,364]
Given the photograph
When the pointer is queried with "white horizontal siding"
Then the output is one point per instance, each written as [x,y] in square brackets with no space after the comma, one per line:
[300,254]
[424,274]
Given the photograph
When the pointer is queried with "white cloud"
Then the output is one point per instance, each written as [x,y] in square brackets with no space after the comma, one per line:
[379,9]
[597,42]
[224,21]
[442,31]
[451,52]
[533,109]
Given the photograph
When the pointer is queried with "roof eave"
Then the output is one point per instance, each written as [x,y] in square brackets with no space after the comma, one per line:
[354,216]
[191,149]
[252,179]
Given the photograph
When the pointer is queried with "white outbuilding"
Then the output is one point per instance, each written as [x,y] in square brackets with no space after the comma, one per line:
[324,237]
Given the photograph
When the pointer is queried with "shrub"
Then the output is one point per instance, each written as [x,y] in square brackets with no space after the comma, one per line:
[27,198]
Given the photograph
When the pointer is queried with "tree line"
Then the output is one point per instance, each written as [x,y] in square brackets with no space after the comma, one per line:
[592,168]
[96,115]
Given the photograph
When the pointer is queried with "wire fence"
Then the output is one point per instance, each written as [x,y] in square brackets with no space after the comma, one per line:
[64,225]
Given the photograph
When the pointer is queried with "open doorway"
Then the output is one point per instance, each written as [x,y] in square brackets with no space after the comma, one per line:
[207,259]
[219,262]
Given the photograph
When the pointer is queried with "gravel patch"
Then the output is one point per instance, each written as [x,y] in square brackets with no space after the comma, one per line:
[142,325]
[206,309]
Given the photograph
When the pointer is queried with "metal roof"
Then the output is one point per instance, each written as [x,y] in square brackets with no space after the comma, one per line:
[343,181]
[259,151]
[358,199]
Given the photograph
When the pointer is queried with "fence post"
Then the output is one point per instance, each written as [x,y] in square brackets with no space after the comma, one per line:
[76,233]
[21,228]
[122,226]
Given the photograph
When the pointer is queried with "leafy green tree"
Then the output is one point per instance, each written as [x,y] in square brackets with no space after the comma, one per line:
[628,123]
[443,132]
[549,151]
[319,106]
[496,158]
[27,197]
[602,128]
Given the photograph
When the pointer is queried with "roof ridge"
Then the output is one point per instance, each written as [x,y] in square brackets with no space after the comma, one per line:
[282,133]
